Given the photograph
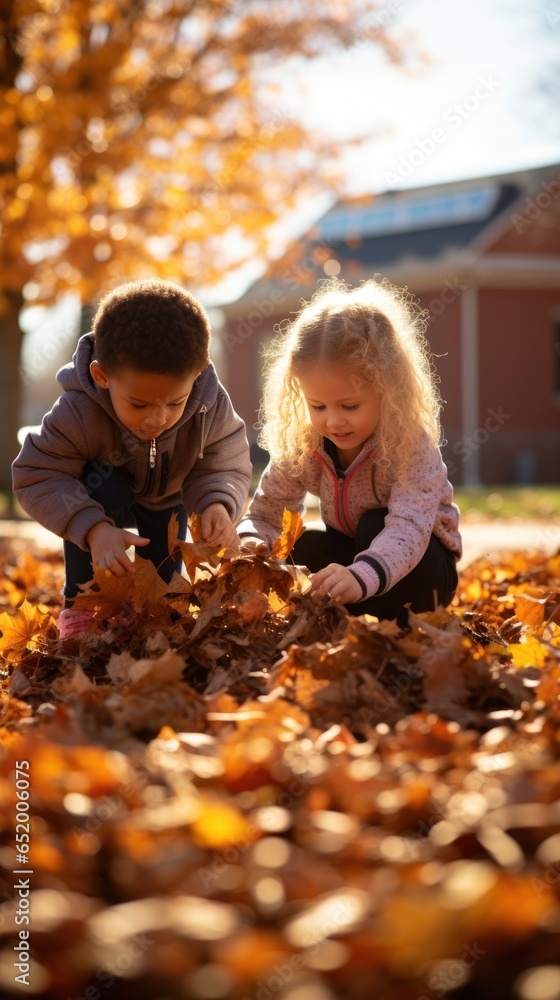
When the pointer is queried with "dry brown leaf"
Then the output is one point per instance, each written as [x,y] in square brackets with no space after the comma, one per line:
[199,555]
[248,606]
[444,684]
[253,573]
[211,609]
[12,710]
[530,606]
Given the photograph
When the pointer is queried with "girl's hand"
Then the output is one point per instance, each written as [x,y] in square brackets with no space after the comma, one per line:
[217,528]
[336,582]
[108,546]
[253,545]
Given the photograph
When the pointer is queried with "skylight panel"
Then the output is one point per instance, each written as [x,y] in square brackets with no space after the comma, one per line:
[397,214]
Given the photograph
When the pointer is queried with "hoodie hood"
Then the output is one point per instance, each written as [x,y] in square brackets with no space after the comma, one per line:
[76,377]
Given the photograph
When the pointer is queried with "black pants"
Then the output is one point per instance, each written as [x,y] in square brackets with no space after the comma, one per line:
[436,571]
[113,493]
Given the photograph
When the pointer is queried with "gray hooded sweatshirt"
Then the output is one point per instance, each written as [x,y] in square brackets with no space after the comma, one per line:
[202,459]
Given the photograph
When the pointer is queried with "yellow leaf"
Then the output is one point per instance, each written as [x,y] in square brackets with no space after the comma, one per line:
[528,653]
[292,528]
[553,566]
[18,630]
[220,825]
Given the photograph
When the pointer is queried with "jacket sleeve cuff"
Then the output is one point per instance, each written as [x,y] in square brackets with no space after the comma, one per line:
[257,529]
[367,577]
[78,527]
[362,585]
[227,501]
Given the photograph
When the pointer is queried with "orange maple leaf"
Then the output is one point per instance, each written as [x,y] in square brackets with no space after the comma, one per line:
[149,588]
[106,593]
[18,630]
[195,527]
[292,528]
[197,554]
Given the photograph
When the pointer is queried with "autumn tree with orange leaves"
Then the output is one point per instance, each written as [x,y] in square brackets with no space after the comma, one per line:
[135,136]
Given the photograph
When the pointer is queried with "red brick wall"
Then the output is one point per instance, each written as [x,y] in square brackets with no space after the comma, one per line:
[443,334]
[535,224]
[242,363]
[517,363]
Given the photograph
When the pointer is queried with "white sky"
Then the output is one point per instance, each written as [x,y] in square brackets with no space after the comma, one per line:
[487,56]
[509,43]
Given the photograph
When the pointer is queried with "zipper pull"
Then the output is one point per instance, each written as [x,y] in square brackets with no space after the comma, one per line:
[203,410]
[153,453]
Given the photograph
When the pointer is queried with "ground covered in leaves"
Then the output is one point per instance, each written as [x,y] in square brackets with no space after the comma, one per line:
[239,792]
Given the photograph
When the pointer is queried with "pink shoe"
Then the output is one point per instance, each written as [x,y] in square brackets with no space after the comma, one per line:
[73,623]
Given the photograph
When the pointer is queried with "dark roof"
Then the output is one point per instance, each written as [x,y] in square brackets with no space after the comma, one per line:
[424,223]
[432,241]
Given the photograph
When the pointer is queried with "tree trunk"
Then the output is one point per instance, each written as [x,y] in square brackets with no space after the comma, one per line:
[10,391]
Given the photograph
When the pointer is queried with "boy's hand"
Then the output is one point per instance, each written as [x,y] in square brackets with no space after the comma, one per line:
[217,528]
[251,544]
[336,582]
[108,547]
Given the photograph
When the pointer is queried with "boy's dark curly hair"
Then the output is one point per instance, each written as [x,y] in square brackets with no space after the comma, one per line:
[151,325]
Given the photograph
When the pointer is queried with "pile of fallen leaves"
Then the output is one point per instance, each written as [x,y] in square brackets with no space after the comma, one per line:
[238,791]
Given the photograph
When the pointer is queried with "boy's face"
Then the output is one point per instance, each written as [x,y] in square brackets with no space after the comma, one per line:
[146,403]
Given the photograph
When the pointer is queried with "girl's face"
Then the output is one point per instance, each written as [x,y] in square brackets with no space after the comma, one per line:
[342,407]
[147,403]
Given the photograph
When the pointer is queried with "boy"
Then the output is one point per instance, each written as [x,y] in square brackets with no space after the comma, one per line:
[143,430]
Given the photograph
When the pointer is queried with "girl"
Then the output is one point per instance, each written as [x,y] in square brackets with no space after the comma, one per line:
[351,414]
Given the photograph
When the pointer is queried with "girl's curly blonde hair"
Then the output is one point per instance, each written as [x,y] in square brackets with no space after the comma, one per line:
[375,331]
